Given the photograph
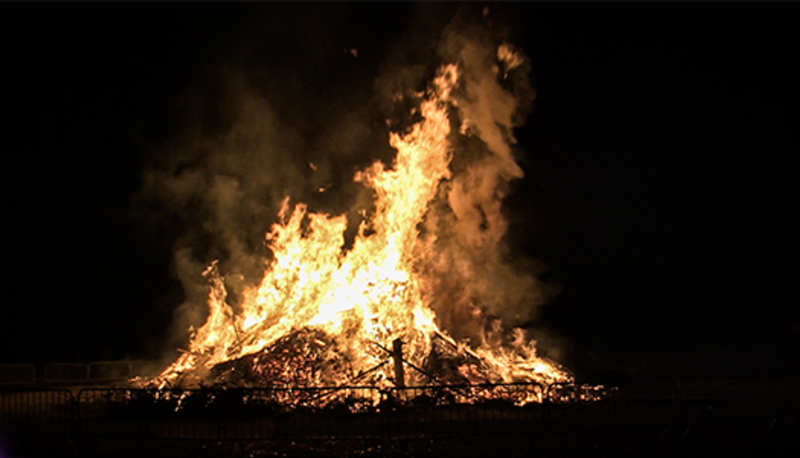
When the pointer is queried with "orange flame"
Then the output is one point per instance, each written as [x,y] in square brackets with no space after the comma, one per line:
[369,295]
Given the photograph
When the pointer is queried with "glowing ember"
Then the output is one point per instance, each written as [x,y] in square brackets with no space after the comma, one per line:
[324,315]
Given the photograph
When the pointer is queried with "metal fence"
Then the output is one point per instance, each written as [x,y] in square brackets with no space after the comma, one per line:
[66,373]
[306,413]
[38,413]
[357,413]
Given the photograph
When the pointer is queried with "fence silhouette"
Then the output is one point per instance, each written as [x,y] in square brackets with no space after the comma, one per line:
[366,412]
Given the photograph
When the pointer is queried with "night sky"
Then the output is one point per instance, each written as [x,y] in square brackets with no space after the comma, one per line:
[659,159]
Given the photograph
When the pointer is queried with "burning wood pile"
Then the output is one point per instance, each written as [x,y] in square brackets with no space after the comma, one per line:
[326,315]
[304,358]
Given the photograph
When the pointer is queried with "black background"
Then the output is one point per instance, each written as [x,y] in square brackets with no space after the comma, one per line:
[659,159]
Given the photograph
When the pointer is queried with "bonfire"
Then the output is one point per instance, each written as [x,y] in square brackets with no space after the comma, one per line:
[331,314]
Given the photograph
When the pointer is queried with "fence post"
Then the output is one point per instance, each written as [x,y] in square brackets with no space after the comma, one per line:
[397,355]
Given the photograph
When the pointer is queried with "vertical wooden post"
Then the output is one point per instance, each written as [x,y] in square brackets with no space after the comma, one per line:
[397,355]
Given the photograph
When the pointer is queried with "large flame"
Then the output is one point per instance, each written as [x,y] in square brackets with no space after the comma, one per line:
[364,297]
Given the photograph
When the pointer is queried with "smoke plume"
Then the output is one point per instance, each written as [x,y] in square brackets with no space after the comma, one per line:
[246,143]
[473,279]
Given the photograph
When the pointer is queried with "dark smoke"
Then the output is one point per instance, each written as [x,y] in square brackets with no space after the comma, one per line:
[256,128]
[287,110]
[475,282]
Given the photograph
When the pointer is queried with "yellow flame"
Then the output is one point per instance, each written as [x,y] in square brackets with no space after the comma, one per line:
[364,297]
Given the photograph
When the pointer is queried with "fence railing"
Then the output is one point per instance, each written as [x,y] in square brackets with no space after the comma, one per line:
[38,413]
[411,412]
